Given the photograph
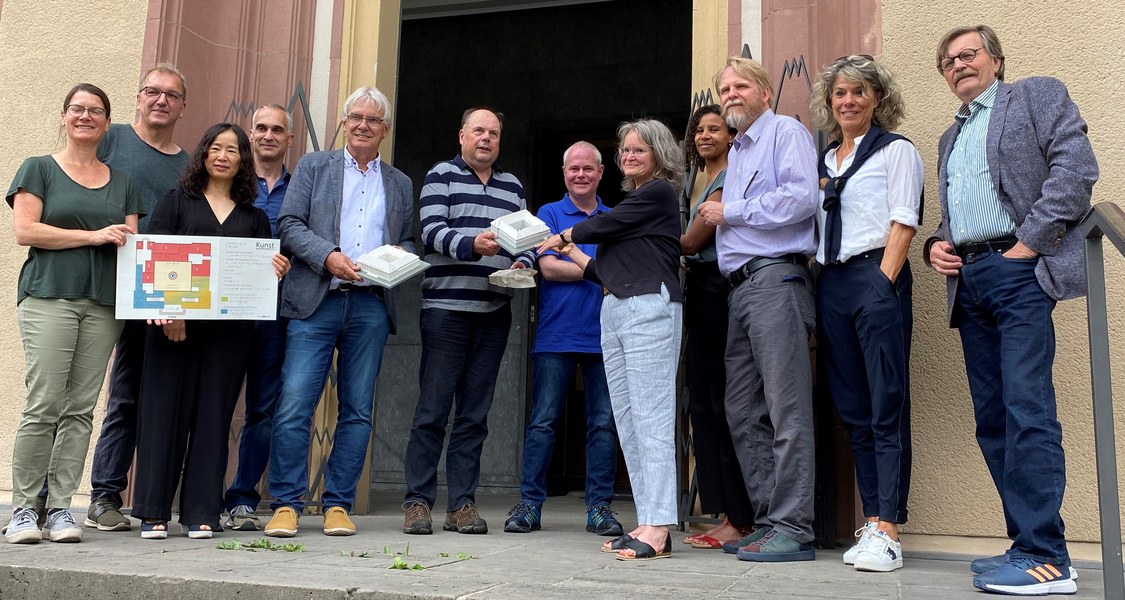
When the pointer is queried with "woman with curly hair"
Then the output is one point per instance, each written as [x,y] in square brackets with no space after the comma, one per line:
[721,489]
[193,372]
[871,203]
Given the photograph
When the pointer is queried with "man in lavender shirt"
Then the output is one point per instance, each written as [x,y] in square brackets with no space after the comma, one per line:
[765,234]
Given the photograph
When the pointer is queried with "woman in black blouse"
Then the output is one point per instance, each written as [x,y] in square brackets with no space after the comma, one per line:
[638,267]
[194,371]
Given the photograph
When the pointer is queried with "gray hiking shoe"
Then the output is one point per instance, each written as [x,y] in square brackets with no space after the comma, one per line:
[242,518]
[105,515]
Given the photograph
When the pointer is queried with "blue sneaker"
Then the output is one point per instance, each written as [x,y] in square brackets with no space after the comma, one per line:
[991,563]
[600,520]
[523,518]
[1027,577]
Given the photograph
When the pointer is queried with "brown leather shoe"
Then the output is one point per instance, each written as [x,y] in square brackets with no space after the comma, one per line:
[465,520]
[418,520]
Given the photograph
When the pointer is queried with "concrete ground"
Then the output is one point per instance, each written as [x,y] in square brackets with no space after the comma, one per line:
[560,561]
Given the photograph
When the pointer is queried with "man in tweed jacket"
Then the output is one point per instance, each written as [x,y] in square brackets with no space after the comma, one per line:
[1015,174]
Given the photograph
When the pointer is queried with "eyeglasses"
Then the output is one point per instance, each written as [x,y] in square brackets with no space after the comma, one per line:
[171,95]
[631,151]
[77,110]
[967,55]
[354,119]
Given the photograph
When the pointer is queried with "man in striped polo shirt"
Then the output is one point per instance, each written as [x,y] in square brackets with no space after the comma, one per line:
[1015,173]
[464,322]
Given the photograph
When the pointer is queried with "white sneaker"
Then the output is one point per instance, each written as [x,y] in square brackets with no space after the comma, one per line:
[863,535]
[23,529]
[61,527]
[881,554]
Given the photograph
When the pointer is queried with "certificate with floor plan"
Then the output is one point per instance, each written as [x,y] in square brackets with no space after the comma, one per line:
[196,277]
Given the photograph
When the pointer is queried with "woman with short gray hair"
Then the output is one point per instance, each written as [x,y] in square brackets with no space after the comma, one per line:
[638,266]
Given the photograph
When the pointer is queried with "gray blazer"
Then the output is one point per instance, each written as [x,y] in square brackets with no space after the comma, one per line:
[309,227]
[1043,170]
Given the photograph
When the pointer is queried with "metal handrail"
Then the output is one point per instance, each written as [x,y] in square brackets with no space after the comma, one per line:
[1104,219]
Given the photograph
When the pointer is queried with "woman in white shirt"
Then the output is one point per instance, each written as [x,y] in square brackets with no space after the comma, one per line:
[871,183]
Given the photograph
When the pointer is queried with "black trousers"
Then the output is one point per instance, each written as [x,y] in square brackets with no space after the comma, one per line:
[188,393]
[721,489]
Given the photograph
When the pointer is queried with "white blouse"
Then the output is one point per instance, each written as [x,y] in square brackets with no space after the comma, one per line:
[886,189]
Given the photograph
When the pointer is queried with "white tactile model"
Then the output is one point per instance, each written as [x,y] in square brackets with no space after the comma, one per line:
[389,266]
[519,231]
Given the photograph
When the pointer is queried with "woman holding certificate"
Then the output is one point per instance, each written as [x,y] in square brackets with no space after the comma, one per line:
[194,370]
[72,212]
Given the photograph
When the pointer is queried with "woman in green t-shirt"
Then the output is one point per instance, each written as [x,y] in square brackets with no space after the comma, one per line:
[72,212]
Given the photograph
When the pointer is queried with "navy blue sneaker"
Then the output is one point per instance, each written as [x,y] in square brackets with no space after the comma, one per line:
[600,520]
[523,518]
[1027,577]
[991,563]
[750,538]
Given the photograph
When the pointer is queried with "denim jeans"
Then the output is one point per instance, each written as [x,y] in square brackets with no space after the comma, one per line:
[554,372]
[263,388]
[356,324]
[461,355]
[1004,318]
[113,452]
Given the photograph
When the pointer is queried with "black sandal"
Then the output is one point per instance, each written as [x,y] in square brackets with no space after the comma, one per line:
[643,551]
[617,543]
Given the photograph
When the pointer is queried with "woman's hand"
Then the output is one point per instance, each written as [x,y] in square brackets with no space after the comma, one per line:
[281,265]
[575,254]
[174,330]
[556,242]
[113,234]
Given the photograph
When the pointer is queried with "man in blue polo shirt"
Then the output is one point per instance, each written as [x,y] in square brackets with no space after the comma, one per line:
[569,338]
[271,135]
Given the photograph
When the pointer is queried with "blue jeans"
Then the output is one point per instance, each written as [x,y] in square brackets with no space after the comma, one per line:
[263,388]
[356,324]
[1004,317]
[461,355]
[554,372]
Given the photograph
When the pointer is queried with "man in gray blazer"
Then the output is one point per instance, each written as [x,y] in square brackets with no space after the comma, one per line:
[1015,174]
[340,205]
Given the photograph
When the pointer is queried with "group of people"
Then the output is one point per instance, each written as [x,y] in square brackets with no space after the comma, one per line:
[1012,182]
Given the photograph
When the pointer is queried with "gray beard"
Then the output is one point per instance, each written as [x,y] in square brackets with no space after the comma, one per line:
[739,121]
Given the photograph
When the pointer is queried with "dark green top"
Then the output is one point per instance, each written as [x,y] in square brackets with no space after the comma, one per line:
[85,271]
[154,171]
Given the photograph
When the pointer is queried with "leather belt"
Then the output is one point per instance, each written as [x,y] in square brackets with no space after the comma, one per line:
[862,257]
[1001,244]
[744,272]
[351,287]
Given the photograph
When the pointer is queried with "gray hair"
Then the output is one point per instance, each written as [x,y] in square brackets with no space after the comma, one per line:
[586,145]
[988,40]
[858,69]
[668,159]
[368,94]
[168,68]
[275,106]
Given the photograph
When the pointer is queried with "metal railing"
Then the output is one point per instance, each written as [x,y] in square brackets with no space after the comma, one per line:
[1105,219]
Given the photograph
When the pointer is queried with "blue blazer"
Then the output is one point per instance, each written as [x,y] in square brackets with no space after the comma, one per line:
[1043,170]
[309,227]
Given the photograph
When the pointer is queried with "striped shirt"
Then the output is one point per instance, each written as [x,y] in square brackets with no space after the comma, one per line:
[975,211]
[454,207]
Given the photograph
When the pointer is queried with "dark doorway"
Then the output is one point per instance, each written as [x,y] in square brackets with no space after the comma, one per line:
[559,74]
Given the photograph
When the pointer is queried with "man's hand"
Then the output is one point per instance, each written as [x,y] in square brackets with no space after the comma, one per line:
[518,265]
[712,213]
[485,244]
[1020,250]
[943,260]
[341,266]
